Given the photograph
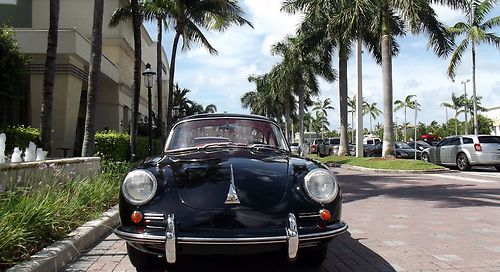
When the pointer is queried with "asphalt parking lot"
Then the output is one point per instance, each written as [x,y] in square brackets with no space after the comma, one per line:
[398,222]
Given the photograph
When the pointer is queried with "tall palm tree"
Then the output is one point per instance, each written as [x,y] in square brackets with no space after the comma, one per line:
[283,89]
[88,146]
[418,17]
[476,30]
[187,18]
[303,67]
[337,24]
[351,103]
[408,102]
[262,100]
[446,106]
[121,14]
[457,105]
[49,77]
[323,106]
[158,10]
[372,111]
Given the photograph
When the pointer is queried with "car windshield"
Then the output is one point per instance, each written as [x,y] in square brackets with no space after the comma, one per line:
[402,145]
[225,131]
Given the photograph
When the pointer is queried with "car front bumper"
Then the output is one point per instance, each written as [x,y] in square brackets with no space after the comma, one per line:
[291,237]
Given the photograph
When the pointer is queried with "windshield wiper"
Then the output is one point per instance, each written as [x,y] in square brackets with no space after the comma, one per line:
[268,147]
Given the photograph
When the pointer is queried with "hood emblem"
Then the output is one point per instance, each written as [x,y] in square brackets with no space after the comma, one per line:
[232,196]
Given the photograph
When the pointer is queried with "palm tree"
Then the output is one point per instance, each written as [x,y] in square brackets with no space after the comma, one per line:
[48,77]
[88,146]
[407,103]
[187,17]
[283,89]
[418,17]
[302,68]
[158,10]
[121,14]
[372,111]
[210,108]
[323,106]
[475,31]
[446,106]
[457,104]
[338,23]
[262,100]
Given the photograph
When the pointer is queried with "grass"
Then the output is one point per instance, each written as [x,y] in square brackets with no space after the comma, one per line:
[378,163]
[37,215]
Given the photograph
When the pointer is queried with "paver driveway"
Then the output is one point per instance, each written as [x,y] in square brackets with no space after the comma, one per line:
[444,222]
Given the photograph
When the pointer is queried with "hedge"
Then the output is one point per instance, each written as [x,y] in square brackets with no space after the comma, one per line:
[109,145]
[114,146]
[20,136]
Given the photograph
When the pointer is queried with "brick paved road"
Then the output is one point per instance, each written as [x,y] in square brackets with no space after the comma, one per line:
[445,222]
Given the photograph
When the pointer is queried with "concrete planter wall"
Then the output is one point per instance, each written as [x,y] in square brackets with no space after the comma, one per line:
[35,173]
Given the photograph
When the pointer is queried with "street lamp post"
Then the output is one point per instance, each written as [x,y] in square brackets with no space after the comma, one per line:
[415,139]
[466,105]
[148,82]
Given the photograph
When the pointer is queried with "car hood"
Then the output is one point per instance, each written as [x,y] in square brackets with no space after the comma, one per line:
[203,180]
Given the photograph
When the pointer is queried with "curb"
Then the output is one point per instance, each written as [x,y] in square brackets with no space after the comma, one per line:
[388,171]
[60,253]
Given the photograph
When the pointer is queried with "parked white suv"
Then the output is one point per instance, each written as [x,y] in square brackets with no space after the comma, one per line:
[464,151]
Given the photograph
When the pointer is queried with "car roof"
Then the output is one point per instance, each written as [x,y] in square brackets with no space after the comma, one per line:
[226,115]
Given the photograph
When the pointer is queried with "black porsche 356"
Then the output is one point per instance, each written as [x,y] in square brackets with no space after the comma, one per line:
[228,184]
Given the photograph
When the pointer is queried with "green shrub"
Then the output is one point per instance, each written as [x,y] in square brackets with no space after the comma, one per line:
[20,136]
[114,146]
[32,219]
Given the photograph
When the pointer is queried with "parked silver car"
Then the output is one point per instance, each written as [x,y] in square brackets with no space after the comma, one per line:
[326,147]
[464,151]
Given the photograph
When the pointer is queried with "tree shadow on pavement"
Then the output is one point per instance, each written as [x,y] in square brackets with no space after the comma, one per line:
[447,194]
[344,254]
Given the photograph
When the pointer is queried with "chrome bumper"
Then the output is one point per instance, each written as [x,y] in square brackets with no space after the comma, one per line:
[291,237]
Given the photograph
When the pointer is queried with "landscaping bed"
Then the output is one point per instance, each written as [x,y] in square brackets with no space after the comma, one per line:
[378,163]
[35,218]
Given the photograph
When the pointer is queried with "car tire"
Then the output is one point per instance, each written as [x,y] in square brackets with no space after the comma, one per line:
[463,162]
[425,157]
[142,261]
[313,256]
[497,167]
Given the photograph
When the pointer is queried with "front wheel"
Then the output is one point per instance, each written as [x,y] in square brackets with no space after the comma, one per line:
[425,157]
[462,162]
[141,260]
[313,256]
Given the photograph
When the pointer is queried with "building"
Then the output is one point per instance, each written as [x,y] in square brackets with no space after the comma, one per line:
[494,114]
[30,18]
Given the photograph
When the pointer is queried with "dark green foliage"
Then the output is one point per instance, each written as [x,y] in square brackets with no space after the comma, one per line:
[13,66]
[35,218]
[114,146]
[20,136]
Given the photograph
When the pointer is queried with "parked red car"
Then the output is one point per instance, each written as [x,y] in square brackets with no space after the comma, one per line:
[314,146]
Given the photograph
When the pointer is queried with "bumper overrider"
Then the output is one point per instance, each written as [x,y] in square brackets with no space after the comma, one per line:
[291,237]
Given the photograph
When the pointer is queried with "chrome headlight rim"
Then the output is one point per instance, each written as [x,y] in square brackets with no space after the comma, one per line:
[129,198]
[321,171]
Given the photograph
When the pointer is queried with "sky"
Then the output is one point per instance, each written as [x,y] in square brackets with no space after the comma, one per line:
[242,51]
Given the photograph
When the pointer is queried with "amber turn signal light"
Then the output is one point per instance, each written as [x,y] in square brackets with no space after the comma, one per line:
[325,214]
[136,217]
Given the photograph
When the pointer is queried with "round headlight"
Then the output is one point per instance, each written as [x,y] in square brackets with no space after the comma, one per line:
[321,185]
[139,187]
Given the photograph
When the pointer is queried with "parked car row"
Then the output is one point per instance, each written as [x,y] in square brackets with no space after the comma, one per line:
[465,151]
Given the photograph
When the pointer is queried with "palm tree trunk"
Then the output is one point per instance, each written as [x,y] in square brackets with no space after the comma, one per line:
[359,99]
[474,99]
[171,82]
[456,122]
[404,125]
[49,77]
[159,79]
[343,148]
[301,114]
[388,144]
[88,147]
[287,119]
[136,93]
[371,129]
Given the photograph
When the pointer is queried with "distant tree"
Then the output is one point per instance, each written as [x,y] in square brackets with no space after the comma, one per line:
[13,68]
[476,30]
[485,124]
[408,102]
[372,111]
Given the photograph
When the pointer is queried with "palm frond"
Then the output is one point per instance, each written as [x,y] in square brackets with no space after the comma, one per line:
[120,15]
[456,58]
